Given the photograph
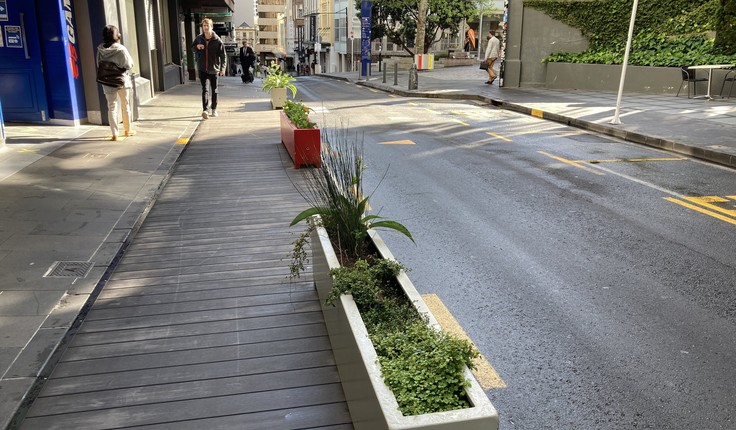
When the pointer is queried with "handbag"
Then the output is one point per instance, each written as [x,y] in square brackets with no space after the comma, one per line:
[108,73]
[483,65]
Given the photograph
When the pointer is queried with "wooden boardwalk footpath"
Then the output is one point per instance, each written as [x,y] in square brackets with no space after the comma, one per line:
[199,326]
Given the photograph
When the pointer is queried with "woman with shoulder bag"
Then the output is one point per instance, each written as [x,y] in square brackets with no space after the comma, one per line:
[113,64]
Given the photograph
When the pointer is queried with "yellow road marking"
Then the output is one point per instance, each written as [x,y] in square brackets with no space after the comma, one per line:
[633,160]
[397,142]
[484,372]
[182,141]
[572,163]
[461,122]
[707,200]
[31,150]
[498,136]
[701,210]
[538,113]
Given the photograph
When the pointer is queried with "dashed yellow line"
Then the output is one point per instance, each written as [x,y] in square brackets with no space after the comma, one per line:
[29,150]
[182,141]
[498,136]
[572,163]
[538,113]
[702,210]
[484,372]
[707,202]
[461,122]
[398,142]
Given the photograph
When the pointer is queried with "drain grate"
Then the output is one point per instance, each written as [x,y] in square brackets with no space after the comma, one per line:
[69,269]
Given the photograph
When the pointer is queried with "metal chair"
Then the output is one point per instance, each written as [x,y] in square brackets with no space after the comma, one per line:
[689,77]
[730,77]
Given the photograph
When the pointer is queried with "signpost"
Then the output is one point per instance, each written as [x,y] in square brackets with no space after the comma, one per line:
[365,37]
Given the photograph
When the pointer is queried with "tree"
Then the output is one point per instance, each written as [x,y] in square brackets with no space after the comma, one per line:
[397,20]
[726,28]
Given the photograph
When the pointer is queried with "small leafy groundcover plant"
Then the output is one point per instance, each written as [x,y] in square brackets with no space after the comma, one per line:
[298,114]
[422,366]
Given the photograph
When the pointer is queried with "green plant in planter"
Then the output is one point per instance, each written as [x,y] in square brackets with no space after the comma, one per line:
[277,78]
[423,367]
[298,114]
[334,191]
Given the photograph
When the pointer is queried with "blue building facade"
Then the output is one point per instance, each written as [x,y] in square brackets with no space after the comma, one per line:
[48,49]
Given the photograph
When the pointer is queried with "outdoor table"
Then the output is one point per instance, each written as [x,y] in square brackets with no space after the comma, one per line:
[710,68]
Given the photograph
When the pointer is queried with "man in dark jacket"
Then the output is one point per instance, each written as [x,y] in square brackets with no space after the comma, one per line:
[247,59]
[209,52]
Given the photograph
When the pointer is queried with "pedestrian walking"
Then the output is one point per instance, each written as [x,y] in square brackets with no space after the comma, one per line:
[211,63]
[492,51]
[247,60]
[113,65]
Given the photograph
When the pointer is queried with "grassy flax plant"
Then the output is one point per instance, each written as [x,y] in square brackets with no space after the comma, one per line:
[335,193]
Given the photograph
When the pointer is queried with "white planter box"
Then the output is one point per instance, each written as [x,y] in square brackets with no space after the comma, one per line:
[372,404]
[278,97]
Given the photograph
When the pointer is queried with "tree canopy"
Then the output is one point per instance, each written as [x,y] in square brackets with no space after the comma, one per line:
[397,20]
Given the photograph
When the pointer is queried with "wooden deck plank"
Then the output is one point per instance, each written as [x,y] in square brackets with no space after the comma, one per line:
[209,340]
[211,370]
[163,390]
[192,356]
[141,415]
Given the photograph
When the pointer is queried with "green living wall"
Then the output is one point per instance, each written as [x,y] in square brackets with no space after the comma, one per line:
[667,32]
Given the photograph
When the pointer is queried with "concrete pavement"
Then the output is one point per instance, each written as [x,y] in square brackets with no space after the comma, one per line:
[71,197]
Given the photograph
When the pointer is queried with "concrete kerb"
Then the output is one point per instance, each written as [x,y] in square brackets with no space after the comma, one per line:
[655,142]
[75,306]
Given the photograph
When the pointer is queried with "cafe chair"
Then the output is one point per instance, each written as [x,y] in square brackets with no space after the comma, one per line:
[689,78]
[730,77]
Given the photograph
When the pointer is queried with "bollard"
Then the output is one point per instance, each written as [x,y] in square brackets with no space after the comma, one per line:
[396,73]
[384,75]
[413,78]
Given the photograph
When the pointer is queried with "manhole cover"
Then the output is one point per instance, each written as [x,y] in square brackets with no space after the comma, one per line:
[69,269]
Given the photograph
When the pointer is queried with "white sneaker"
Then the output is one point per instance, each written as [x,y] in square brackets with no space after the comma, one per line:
[214,112]
[205,115]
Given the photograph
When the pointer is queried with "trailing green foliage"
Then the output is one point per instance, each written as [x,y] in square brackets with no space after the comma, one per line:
[298,114]
[334,191]
[277,78]
[422,366]
[650,49]
[667,32]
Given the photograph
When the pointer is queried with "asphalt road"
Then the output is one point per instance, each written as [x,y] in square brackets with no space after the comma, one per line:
[596,276]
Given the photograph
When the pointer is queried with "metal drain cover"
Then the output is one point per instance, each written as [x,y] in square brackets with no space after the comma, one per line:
[69,269]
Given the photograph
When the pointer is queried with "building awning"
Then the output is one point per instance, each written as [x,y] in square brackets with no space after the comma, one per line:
[210,7]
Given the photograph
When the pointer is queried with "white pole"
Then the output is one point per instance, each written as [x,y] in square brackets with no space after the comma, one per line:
[616,120]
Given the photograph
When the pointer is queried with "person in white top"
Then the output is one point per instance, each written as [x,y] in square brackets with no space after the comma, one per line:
[492,51]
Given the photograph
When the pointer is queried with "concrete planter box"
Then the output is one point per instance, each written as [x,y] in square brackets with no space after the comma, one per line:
[372,404]
[639,79]
[278,97]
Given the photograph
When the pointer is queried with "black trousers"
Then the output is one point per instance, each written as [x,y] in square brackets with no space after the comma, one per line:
[203,78]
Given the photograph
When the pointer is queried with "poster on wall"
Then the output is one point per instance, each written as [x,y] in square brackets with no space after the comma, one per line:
[13,37]
[3,10]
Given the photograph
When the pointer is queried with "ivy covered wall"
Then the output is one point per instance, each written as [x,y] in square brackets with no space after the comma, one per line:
[667,32]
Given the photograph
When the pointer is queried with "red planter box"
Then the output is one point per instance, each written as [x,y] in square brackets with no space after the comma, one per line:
[303,144]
